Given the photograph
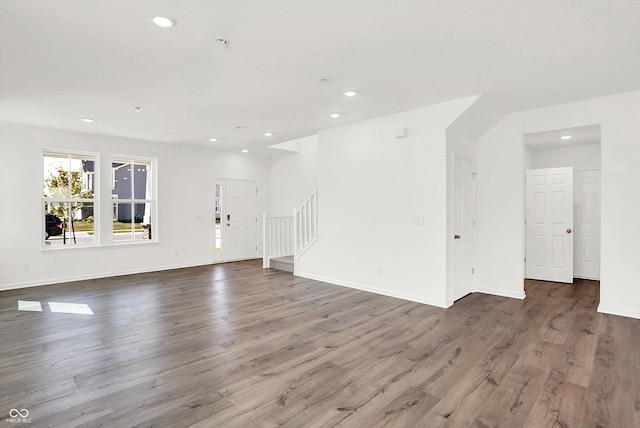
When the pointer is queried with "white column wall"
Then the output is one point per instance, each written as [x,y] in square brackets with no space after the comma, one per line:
[371,186]
[462,136]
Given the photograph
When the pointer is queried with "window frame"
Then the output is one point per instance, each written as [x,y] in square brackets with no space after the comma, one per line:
[95,199]
[152,174]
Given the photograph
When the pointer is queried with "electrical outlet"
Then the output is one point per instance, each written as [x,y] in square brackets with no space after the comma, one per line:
[417,220]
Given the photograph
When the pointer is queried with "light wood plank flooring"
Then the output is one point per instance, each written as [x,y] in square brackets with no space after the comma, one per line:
[235,345]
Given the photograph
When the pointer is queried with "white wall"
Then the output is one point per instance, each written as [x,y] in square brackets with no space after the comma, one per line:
[528,158]
[185,194]
[370,186]
[500,155]
[579,157]
[294,176]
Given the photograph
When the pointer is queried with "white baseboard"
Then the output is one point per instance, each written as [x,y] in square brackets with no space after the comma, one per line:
[623,312]
[592,278]
[362,287]
[501,293]
[99,275]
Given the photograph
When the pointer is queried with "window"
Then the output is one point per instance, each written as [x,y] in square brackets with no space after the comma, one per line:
[133,199]
[69,199]
[218,209]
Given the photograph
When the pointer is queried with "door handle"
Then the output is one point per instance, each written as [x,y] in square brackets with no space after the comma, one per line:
[456,236]
[568,230]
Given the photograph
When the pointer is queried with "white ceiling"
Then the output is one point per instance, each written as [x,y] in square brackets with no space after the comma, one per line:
[61,60]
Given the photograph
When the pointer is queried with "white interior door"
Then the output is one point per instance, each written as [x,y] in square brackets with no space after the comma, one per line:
[463,225]
[586,258]
[238,220]
[550,224]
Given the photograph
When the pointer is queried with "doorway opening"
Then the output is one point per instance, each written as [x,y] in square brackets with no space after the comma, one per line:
[575,243]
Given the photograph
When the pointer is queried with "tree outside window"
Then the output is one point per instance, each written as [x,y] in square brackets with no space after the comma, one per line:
[68,197]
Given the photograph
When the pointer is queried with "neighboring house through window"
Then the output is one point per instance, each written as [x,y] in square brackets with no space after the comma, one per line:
[133,199]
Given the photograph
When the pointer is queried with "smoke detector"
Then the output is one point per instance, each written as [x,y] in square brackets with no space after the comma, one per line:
[222,43]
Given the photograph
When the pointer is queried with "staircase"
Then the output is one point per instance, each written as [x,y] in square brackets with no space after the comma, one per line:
[286,237]
[284,263]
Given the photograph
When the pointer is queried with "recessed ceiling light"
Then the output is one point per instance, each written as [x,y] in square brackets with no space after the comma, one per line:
[268,134]
[137,108]
[164,21]
[350,93]
[565,136]
[213,139]
[245,151]
[335,115]
[88,119]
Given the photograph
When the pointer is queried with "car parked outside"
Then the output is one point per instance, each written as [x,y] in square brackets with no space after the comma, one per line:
[53,225]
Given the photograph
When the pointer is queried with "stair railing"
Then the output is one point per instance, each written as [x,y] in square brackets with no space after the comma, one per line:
[305,224]
[290,235]
[277,238]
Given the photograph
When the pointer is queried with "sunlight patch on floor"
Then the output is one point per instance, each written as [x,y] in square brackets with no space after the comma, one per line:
[56,307]
[27,305]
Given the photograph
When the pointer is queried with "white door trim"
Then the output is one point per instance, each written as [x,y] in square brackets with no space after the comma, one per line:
[587,223]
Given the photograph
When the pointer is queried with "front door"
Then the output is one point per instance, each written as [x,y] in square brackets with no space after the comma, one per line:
[463,224]
[236,220]
[549,253]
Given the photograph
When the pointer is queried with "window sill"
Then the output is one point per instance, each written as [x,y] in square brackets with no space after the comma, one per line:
[56,248]
[127,243]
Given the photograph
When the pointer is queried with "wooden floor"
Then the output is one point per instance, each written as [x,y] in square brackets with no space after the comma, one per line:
[234,345]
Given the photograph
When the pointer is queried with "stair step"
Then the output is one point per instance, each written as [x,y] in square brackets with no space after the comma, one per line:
[284,263]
